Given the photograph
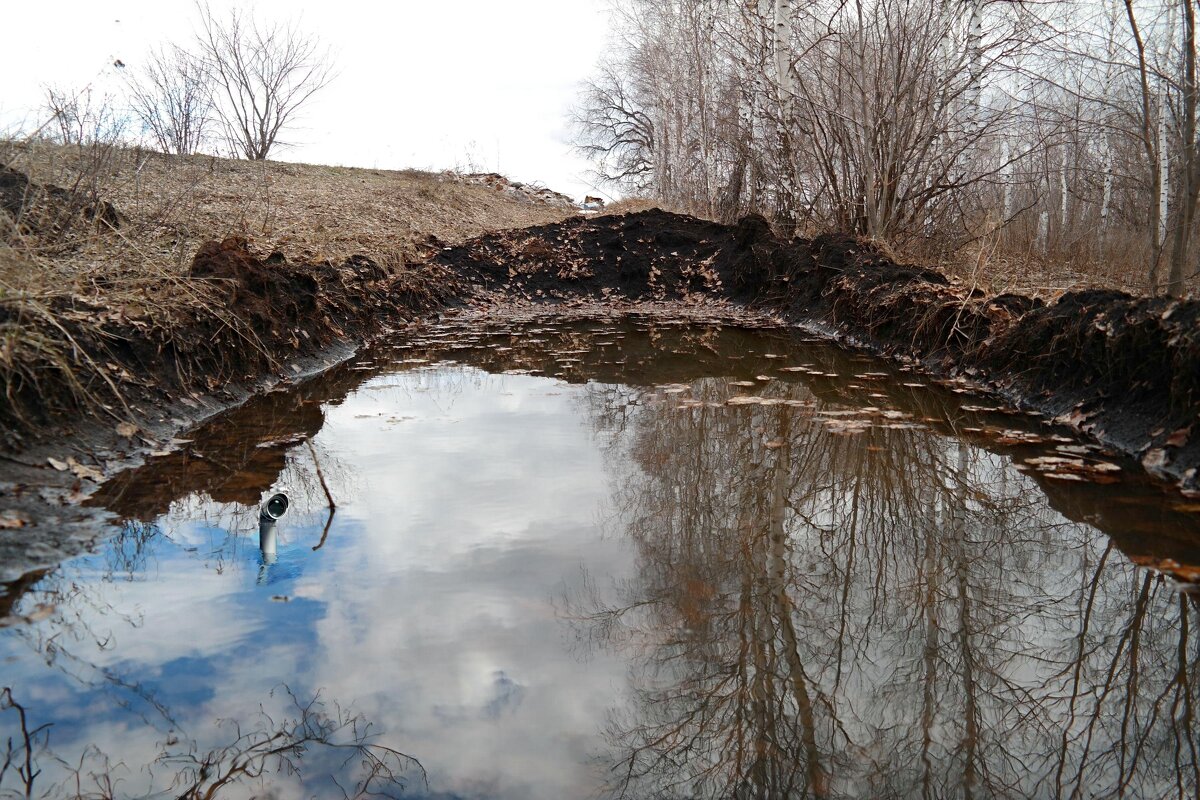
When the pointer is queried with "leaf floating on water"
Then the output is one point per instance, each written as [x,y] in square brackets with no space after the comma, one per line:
[762,377]
[1012,437]
[846,427]
[84,471]
[1055,461]
[40,612]
[10,520]
[1065,468]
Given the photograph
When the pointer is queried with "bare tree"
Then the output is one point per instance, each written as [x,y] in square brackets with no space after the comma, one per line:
[264,74]
[82,117]
[172,97]
[1060,129]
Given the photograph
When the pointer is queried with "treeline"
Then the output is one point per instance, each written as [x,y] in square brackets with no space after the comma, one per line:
[1061,130]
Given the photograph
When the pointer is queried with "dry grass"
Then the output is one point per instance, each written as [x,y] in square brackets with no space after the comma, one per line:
[309,212]
[1000,263]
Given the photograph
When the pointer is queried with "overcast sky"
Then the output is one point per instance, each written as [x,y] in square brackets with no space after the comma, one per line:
[420,84]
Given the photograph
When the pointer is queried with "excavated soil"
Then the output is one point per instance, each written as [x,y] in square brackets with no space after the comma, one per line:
[1124,369]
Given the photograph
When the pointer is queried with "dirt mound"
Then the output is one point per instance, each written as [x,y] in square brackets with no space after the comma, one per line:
[525,192]
[652,255]
[1124,369]
[44,209]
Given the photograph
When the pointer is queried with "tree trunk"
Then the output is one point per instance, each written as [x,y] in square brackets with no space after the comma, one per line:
[1189,179]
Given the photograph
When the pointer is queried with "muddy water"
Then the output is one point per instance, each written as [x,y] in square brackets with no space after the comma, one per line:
[578,559]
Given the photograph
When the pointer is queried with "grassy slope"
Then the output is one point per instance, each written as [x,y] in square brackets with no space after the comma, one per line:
[64,291]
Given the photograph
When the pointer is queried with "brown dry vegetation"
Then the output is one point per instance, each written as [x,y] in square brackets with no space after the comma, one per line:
[73,290]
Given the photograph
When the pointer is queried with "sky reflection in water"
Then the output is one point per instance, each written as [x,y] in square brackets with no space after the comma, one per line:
[544,589]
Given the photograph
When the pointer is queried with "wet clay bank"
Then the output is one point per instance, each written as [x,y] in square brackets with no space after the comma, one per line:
[1122,369]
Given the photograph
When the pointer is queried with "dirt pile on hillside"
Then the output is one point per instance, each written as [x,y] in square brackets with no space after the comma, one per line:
[48,211]
[1122,368]
[524,192]
[646,256]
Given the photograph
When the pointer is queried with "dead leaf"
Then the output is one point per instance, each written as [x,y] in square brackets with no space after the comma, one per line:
[126,430]
[10,520]
[1179,438]
[84,471]
[61,466]
[1155,461]
[41,612]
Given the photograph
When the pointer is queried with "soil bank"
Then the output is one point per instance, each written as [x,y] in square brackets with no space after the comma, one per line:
[1124,370]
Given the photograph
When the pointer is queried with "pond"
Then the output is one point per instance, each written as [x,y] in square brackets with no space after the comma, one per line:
[592,558]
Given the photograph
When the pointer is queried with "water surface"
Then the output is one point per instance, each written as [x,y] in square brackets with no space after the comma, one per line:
[587,559]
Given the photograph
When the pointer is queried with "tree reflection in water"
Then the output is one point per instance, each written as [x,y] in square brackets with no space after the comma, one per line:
[885,614]
[307,747]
